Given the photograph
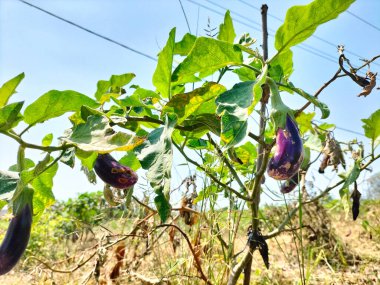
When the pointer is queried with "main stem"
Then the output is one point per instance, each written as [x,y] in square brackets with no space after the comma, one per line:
[262,154]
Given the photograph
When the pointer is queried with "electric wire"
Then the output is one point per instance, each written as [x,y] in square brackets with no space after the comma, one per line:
[363,20]
[90,31]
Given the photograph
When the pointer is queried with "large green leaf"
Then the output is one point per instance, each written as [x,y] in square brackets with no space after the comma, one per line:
[156,156]
[184,105]
[10,116]
[54,104]
[372,127]
[302,21]
[8,184]
[9,88]
[163,72]
[206,56]
[97,135]
[226,30]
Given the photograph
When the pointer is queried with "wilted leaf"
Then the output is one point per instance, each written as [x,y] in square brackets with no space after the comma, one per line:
[97,135]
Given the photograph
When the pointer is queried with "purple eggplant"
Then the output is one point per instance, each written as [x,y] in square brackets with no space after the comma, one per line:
[113,173]
[16,239]
[289,152]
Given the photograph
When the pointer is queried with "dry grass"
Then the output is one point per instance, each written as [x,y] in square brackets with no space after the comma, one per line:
[344,253]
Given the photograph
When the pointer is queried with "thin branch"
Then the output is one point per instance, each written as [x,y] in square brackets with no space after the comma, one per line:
[225,160]
[33,146]
[144,205]
[199,267]
[215,179]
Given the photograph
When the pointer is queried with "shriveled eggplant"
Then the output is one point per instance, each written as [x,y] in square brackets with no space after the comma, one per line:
[289,152]
[113,173]
[16,239]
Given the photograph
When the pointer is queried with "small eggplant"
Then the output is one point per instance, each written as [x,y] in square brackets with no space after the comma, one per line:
[289,152]
[114,173]
[16,239]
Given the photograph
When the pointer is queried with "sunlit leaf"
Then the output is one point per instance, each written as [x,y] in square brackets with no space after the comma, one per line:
[47,140]
[184,105]
[372,127]
[54,104]
[163,72]
[9,88]
[302,21]
[226,29]
[304,122]
[184,46]
[97,135]
[10,116]
[206,56]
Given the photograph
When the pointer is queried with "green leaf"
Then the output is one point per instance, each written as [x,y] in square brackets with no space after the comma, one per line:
[8,184]
[235,105]
[163,72]
[163,206]
[247,153]
[28,163]
[185,45]
[87,158]
[226,30]
[302,21]
[54,104]
[206,56]
[106,88]
[322,106]
[10,116]
[130,160]
[138,98]
[198,144]
[314,142]
[46,141]
[304,122]
[372,127]
[282,66]
[245,74]
[208,192]
[9,88]
[43,185]
[28,175]
[156,156]
[97,135]
[351,177]
[184,105]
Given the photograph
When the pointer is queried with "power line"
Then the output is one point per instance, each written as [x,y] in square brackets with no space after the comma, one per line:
[315,36]
[184,13]
[90,31]
[363,20]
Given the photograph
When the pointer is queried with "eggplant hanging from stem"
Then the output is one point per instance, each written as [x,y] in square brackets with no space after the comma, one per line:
[289,152]
[113,173]
[17,237]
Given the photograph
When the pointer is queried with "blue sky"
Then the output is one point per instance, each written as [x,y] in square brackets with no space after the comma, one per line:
[56,55]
